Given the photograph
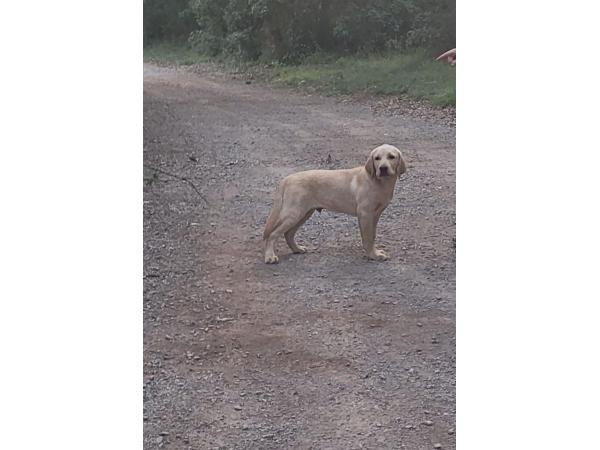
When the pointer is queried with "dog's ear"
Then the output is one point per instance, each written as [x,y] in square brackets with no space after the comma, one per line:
[401,168]
[370,166]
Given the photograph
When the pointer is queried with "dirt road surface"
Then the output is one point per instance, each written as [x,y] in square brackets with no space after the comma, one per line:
[325,350]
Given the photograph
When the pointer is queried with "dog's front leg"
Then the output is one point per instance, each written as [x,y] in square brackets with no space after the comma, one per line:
[368,227]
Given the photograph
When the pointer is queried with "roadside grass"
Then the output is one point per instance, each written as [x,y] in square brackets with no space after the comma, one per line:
[413,74]
[173,53]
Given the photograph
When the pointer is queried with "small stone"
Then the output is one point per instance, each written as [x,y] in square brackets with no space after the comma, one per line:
[163,433]
[237,407]
[451,431]
[378,425]
[437,446]
[229,291]
[428,423]
[419,324]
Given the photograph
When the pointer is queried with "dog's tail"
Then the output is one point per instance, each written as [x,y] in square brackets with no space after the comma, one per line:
[273,220]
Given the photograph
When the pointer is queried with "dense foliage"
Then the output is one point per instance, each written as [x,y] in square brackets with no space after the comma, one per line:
[288,30]
[167,20]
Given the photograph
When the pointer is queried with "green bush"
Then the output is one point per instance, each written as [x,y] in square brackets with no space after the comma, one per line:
[290,30]
[167,20]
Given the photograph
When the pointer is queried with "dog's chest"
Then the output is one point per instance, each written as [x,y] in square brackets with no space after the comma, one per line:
[384,202]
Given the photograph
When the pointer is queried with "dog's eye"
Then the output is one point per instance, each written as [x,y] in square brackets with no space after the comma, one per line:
[377,158]
[391,156]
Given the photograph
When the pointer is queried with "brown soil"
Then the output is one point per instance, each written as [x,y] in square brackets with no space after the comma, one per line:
[325,350]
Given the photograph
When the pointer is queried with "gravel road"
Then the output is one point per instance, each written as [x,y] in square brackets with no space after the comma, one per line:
[325,350]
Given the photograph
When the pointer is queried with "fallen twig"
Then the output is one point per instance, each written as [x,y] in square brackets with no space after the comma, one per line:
[225,319]
[187,180]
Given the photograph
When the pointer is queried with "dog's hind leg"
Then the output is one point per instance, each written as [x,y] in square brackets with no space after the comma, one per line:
[285,224]
[290,234]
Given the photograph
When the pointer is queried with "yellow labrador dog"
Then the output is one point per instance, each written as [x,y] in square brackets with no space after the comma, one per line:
[363,192]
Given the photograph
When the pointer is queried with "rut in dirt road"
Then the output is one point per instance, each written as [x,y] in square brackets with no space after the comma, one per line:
[325,350]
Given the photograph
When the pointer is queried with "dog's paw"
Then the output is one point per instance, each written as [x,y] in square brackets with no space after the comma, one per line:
[300,249]
[379,255]
[273,259]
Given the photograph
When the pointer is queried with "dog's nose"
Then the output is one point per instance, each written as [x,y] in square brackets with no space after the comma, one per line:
[383,171]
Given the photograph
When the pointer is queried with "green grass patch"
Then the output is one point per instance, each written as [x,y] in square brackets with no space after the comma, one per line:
[173,53]
[415,75]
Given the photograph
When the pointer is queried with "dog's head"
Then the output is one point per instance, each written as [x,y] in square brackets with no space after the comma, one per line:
[385,161]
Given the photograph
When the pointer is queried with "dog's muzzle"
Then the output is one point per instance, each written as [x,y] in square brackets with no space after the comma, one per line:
[384,171]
